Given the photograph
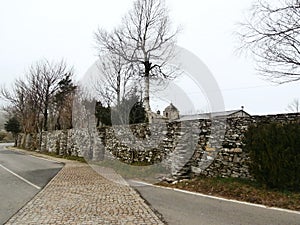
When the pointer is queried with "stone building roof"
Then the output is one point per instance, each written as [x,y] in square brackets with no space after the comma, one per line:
[171,107]
[171,112]
[231,113]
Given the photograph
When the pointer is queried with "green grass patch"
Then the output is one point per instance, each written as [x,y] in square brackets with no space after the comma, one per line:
[69,157]
[141,171]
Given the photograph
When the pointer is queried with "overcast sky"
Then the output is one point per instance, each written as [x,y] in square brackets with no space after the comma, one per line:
[32,30]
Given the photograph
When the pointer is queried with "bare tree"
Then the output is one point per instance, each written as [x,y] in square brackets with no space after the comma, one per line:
[294,106]
[112,84]
[272,35]
[22,104]
[32,98]
[44,78]
[145,39]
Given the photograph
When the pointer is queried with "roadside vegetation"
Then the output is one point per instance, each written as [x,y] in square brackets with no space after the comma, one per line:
[242,190]
[69,157]
[53,154]
[139,171]
[6,137]
[274,150]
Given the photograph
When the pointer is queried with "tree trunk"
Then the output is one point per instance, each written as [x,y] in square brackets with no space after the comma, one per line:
[118,90]
[46,117]
[46,105]
[15,136]
[147,91]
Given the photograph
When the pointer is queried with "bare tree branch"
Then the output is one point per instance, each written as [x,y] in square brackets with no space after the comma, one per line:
[145,39]
[112,84]
[272,36]
[32,98]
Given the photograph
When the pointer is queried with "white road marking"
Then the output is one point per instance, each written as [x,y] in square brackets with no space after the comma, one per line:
[21,178]
[216,198]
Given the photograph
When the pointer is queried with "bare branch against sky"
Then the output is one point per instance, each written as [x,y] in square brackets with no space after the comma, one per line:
[30,31]
[145,39]
[272,35]
[32,98]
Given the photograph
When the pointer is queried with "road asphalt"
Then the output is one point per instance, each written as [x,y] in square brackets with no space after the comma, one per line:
[21,178]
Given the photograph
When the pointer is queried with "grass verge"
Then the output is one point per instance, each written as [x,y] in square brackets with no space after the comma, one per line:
[52,154]
[242,190]
[140,171]
[69,157]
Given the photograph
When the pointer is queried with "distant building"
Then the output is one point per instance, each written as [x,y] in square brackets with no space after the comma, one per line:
[157,118]
[171,112]
[224,114]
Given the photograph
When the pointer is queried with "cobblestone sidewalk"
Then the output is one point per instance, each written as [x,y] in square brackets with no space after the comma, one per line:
[79,195]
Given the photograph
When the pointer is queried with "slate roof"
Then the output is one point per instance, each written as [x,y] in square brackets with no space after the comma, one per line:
[171,107]
[229,113]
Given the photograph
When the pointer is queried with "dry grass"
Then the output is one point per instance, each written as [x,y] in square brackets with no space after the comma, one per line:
[241,190]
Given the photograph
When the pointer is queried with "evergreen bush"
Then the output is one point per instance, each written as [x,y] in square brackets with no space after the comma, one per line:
[274,150]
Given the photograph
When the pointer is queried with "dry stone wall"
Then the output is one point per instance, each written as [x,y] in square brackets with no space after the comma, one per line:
[188,148]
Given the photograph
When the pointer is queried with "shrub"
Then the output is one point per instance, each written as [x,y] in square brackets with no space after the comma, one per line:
[274,150]
[13,126]
[2,135]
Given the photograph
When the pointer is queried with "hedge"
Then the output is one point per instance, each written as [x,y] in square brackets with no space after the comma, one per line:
[274,150]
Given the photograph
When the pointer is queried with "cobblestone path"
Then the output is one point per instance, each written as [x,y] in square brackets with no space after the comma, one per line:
[79,195]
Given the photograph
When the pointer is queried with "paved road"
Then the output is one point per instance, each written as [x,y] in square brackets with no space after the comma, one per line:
[180,208]
[21,178]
